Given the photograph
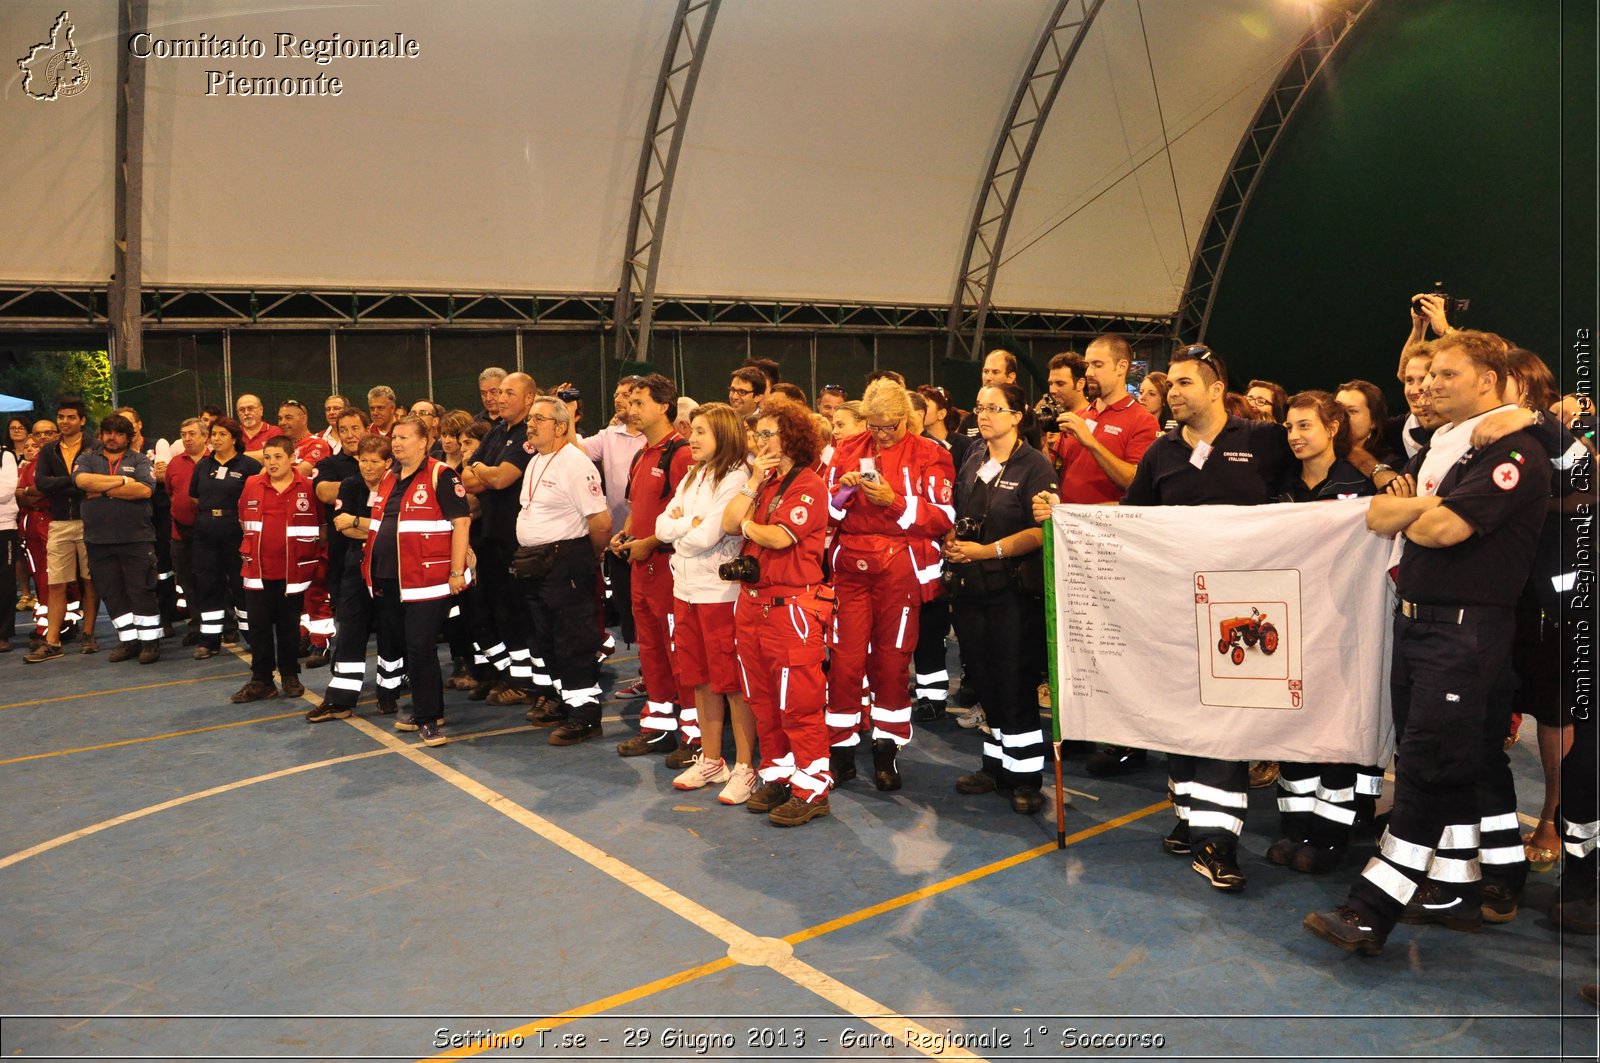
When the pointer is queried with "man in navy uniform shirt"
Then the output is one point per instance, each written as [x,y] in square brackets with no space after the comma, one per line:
[1209,459]
[1468,548]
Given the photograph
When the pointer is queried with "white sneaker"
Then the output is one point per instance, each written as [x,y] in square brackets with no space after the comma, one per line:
[741,784]
[702,772]
[975,718]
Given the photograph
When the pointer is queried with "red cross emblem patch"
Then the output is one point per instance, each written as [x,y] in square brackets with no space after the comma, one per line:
[1506,475]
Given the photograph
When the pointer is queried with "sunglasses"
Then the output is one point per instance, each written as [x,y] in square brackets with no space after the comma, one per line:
[833,389]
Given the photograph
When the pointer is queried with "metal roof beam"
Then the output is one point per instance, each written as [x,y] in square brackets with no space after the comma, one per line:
[1030,107]
[1243,176]
[658,165]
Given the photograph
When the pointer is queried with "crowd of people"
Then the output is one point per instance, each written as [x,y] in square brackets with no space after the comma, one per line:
[791,573]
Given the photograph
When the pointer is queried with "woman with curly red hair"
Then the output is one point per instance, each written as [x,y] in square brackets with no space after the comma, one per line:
[782,612]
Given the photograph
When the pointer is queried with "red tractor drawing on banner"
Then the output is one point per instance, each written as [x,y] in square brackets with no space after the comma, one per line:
[1244,631]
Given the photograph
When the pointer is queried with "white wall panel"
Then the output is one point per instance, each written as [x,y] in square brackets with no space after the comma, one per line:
[836,146]
[1097,227]
[834,149]
[56,190]
[503,157]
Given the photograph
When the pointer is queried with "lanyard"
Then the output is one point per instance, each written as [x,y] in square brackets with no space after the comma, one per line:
[526,502]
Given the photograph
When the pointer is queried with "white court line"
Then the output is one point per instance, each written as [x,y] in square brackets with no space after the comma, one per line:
[150,810]
[743,946]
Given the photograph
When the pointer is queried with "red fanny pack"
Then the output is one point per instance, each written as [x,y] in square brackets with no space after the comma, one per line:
[873,562]
[821,601]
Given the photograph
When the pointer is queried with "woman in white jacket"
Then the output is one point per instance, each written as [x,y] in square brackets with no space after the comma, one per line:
[702,618]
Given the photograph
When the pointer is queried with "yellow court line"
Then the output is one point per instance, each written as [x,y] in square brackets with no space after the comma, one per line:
[797,970]
[747,947]
[976,873]
[122,690]
[149,738]
[199,795]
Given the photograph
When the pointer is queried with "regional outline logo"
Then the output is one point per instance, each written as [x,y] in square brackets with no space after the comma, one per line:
[66,72]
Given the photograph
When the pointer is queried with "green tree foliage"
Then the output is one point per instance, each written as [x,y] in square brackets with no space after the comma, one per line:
[43,377]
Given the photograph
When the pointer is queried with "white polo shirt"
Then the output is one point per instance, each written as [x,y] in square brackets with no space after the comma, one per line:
[559,493]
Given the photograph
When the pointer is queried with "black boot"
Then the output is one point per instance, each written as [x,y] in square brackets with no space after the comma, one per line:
[885,773]
[842,764]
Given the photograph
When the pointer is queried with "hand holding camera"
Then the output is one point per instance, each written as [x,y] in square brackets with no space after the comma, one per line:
[1434,308]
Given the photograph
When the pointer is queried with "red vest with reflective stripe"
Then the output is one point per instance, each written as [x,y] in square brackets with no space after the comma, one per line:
[423,535]
[302,533]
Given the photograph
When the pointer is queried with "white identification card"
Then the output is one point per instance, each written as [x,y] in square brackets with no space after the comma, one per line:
[222,472]
[1202,451]
[988,471]
[372,499]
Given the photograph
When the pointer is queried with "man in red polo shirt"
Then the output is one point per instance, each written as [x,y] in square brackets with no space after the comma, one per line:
[256,430]
[1097,452]
[652,479]
[1100,446]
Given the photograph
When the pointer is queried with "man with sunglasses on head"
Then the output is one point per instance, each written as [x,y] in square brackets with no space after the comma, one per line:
[1209,459]
[830,398]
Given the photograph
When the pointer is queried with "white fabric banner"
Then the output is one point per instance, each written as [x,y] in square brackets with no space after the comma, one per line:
[1235,632]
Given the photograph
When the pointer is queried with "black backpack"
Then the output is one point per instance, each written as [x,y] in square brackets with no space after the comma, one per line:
[664,465]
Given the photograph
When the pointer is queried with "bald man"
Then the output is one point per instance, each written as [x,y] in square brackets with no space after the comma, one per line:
[495,476]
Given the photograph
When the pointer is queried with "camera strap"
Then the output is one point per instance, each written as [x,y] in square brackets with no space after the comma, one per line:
[989,487]
[777,499]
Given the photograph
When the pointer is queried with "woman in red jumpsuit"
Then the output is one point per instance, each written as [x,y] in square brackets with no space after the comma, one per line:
[782,613]
[890,501]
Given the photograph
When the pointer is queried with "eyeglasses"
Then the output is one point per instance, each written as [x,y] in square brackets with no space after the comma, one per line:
[884,429]
[540,418]
[764,434]
[992,409]
[741,392]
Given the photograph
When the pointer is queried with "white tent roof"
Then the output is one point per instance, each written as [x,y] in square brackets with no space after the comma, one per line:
[834,151]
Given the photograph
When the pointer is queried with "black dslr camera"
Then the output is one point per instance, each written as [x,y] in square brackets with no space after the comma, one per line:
[969,529]
[1452,305]
[742,569]
[1048,411]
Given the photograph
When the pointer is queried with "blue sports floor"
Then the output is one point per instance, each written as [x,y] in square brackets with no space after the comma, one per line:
[189,879]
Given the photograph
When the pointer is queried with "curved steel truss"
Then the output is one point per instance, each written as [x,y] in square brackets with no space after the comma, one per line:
[1008,166]
[1243,176]
[61,308]
[658,164]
